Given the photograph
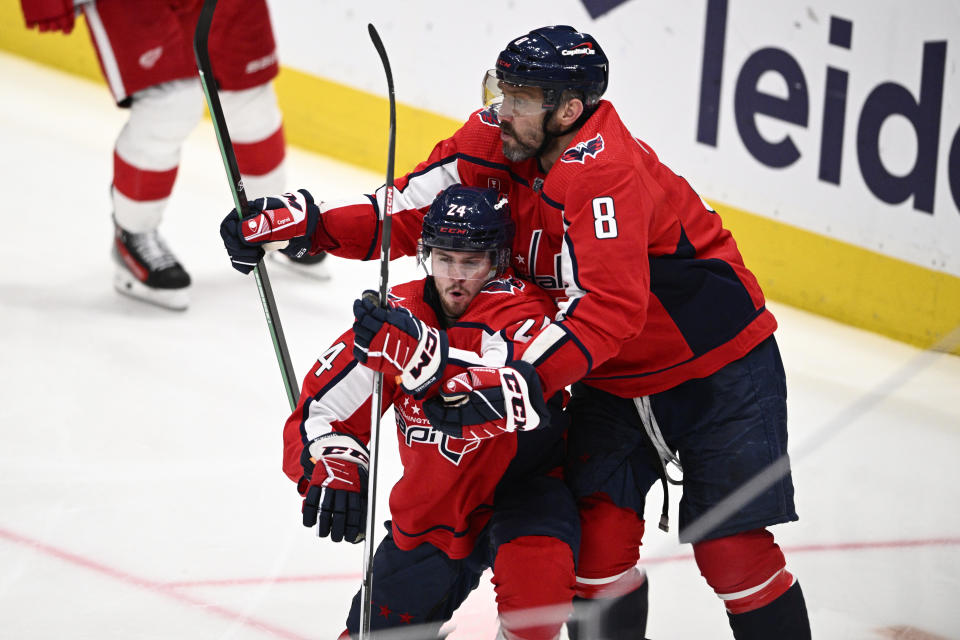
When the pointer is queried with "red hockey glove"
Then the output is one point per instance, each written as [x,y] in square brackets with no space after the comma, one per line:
[336,496]
[395,342]
[48,15]
[485,402]
[289,219]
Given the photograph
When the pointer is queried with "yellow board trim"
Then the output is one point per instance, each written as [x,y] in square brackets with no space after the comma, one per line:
[352,125]
[319,115]
[847,283]
[73,53]
[800,268]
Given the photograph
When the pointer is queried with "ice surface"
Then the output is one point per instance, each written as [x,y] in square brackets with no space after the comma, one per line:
[141,494]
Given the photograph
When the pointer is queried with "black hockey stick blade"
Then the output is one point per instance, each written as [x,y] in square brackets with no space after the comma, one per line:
[202,55]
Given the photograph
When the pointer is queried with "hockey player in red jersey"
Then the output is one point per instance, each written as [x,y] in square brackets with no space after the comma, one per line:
[663,333]
[145,49]
[463,504]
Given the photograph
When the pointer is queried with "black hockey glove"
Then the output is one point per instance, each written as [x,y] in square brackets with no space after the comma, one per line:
[486,402]
[335,498]
[288,220]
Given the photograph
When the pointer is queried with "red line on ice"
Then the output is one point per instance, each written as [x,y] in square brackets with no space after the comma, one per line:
[837,546]
[170,589]
[145,584]
[842,546]
[235,582]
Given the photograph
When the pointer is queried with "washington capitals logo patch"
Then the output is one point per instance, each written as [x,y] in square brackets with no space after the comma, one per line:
[584,149]
[393,300]
[504,285]
[489,117]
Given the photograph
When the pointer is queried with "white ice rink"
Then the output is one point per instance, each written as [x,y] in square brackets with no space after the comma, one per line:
[141,494]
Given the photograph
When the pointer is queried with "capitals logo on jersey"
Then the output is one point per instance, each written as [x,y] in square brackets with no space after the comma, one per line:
[589,148]
[415,429]
[490,117]
[504,285]
[534,267]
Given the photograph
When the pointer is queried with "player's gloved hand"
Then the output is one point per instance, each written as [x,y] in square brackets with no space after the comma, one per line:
[396,342]
[49,15]
[486,402]
[335,497]
[287,220]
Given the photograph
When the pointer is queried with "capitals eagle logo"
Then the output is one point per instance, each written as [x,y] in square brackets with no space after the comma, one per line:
[504,285]
[489,117]
[579,153]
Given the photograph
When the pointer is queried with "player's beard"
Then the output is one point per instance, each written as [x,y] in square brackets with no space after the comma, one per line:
[517,149]
[454,307]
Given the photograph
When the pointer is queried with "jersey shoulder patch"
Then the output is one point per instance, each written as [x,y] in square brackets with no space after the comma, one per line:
[582,150]
[509,285]
[489,117]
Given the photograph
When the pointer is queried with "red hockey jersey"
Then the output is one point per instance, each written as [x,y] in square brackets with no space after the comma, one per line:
[651,288]
[447,489]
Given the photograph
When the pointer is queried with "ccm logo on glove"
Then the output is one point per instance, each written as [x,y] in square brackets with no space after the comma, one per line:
[485,402]
[432,339]
[512,386]
[335,498]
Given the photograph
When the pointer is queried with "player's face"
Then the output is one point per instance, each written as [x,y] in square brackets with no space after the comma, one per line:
[521,121]
[459,276]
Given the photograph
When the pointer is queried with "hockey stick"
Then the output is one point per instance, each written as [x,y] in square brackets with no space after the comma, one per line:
[366,588]
[240,197]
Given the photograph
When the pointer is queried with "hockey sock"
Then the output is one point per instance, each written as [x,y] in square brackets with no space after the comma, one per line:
[147,151]
[611,593]
[256,129]
[534,579]
[748,573]
[141,184]
[621,618]
[785,619]
[610,538]
[139,195]
[747,570]
[262,156]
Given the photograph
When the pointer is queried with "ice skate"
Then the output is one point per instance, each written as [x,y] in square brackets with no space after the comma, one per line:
[147,270]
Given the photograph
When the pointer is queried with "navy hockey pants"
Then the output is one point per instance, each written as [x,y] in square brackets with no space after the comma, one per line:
[726,427]
[423,586]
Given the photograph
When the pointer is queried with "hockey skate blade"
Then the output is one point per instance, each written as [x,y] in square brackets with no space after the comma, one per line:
[318,272]
[174,299]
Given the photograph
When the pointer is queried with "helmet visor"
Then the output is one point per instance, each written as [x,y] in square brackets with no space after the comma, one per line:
[457,265]
[492,95]
[510,104]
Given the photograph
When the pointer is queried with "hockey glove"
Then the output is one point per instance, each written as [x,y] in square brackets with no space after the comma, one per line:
[395,342]
[336,496]
[486,402]
[49,15]
[288,220]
